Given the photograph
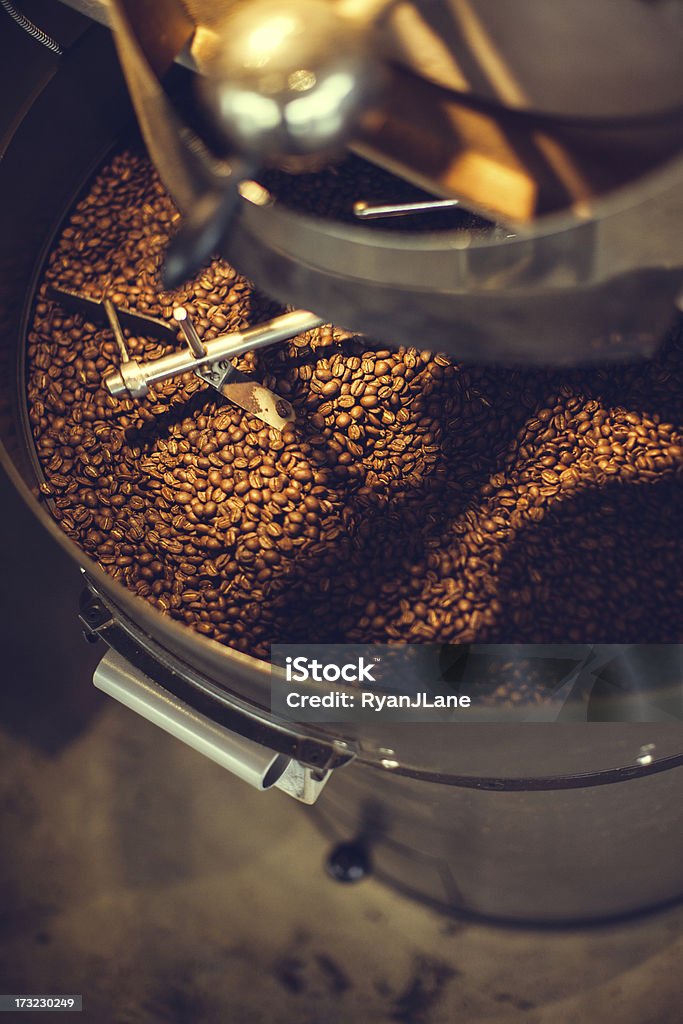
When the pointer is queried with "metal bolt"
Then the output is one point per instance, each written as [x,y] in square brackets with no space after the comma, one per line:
[115,325]
[349,862]
[194,342]
[93,613]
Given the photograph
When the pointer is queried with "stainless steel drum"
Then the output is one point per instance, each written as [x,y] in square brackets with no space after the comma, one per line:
[560,822]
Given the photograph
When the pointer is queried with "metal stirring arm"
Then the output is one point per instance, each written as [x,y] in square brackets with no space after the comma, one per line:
[209,360]
[369,211]
[133,378]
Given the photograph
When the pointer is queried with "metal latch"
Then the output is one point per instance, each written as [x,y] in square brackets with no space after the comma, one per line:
[261,767]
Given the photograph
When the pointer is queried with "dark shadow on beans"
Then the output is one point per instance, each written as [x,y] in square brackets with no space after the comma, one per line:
[604,567]
[383,536]
[383,539]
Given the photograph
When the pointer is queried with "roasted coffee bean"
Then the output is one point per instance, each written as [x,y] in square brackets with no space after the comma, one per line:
[414,499]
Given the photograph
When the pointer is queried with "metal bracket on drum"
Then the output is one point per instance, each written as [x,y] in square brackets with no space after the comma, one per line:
[199,712]
[260,767]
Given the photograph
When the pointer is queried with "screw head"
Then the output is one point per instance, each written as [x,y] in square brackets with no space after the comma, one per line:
[349,862]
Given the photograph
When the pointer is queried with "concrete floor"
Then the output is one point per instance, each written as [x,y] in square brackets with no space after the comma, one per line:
[137,873]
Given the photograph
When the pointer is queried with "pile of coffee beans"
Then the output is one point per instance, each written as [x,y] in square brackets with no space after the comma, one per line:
[415,499]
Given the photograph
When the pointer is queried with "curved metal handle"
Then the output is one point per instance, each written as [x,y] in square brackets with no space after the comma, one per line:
[261,767]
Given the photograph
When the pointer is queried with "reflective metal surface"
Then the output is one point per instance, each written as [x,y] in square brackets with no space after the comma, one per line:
[596,283]
[288,81]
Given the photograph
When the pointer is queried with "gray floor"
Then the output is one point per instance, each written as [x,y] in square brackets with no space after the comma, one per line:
[142,876]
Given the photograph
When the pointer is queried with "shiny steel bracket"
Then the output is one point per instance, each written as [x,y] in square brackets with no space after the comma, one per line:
[261,767]
[209,361]
[174,695]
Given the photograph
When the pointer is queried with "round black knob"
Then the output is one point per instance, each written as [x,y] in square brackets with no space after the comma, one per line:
[349,862]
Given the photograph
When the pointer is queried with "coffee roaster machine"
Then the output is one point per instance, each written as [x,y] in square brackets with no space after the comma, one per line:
[559,125]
